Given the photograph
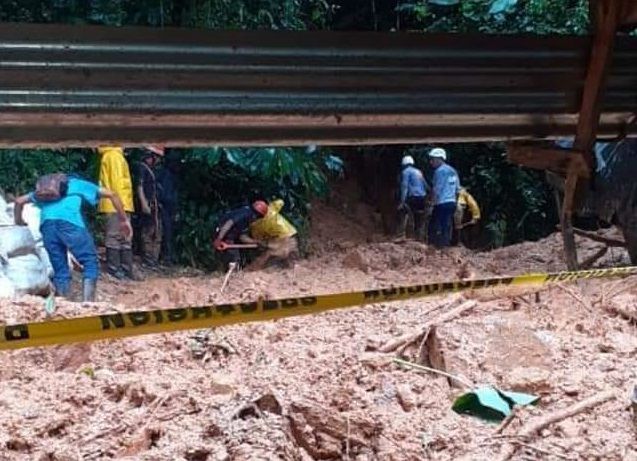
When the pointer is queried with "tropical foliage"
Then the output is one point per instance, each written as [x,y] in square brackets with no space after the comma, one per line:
[516,203]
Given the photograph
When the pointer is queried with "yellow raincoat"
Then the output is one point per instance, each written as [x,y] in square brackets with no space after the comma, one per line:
[465,199]
[273,225]
[115,176]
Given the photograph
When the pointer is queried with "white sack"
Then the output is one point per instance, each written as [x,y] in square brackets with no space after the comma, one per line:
[27,274]
[31,215]
[6,218]
[6,287]
[16,241]
[44,257]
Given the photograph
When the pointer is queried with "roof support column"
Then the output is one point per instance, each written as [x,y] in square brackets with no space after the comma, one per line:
[606,16]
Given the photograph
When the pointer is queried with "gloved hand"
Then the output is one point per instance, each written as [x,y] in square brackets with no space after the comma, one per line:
[220,245]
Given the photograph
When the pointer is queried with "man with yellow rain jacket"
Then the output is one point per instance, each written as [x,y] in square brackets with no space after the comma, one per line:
[278,235]
[115,176]
[467,213]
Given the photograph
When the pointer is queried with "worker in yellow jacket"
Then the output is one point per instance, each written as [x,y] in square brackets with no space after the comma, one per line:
[277,234]
[467,213]
[115,175]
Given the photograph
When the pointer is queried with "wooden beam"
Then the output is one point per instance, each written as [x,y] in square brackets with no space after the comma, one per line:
[611,242]
[552,159]
[628,17]
[607,13]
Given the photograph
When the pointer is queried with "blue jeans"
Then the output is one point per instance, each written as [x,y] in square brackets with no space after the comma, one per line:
[440,224]
[61,236]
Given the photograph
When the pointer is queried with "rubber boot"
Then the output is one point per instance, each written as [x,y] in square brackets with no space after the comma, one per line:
[89,289]
[401,231]
[126,256]
[113,264]
[63,292]
[420,226]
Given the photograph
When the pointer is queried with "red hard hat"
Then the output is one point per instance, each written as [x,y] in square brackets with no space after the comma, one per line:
[157,150]
[260,207]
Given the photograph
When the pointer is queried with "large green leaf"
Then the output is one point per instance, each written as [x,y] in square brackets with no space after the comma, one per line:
[490,404]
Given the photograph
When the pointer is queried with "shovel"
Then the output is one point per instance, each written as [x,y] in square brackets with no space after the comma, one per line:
[241,246]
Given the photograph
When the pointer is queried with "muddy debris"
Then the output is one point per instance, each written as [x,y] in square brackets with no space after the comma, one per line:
[319,387]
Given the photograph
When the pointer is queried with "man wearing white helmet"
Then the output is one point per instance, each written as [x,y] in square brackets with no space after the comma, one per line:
[413,190]
[446,186]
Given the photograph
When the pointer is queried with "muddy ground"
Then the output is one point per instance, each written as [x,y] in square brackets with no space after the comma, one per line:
[319,387]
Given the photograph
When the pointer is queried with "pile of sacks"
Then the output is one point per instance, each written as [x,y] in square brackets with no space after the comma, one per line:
[25,267]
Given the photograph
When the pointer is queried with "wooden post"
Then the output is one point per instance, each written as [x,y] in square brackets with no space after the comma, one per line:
[607,18]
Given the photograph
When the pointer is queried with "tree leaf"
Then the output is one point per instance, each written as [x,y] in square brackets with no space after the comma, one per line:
[502,6]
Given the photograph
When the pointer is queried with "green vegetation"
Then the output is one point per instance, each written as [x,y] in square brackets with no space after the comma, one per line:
[516,203]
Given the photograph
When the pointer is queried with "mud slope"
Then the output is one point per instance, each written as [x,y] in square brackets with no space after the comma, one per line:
[317,387]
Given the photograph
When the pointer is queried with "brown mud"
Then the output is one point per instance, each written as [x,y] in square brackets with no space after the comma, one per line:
[317,387]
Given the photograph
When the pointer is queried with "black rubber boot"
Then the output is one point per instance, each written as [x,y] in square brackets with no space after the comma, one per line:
[89,289]
[126,257]
[113,264]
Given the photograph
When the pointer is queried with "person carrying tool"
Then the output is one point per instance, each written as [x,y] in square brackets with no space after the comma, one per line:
[446,186]
[277,234]
[413,193]
[60,198]
[467,214]
[231,235]
[146,220]
[115,176]
[167,187]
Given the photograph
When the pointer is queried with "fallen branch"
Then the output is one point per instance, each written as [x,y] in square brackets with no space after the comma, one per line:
[569,291]
[623,313]
[231,267]
[508,420]
[415,337]
[534,427]
[588,262]
[466,383]
[611,242]
[530,447]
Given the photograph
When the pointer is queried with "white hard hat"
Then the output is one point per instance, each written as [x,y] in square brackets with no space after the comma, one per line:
[408,160]
[438,153]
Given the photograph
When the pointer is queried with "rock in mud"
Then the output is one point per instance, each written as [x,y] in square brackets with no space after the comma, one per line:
[406,397]
[531,380]
[323,433]
[354,260]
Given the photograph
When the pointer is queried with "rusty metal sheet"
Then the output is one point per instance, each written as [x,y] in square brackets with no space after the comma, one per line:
[82,86]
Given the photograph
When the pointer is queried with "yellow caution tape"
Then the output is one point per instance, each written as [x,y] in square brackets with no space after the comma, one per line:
[118,325]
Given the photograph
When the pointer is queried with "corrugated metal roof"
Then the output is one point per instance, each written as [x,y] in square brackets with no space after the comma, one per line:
[87,85]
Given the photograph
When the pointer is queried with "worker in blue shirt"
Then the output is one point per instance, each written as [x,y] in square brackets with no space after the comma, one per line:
[446,187]
[63,228]
[413,193]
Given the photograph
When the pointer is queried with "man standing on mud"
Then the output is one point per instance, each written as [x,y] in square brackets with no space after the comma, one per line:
[233,229]
[168,199]
[115,176]
[413,192]
[446,187]
[60,198]
[147,207]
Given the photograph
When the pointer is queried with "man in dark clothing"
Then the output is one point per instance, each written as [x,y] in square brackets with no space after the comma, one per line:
[147,207]
[234,227]
[168,198]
